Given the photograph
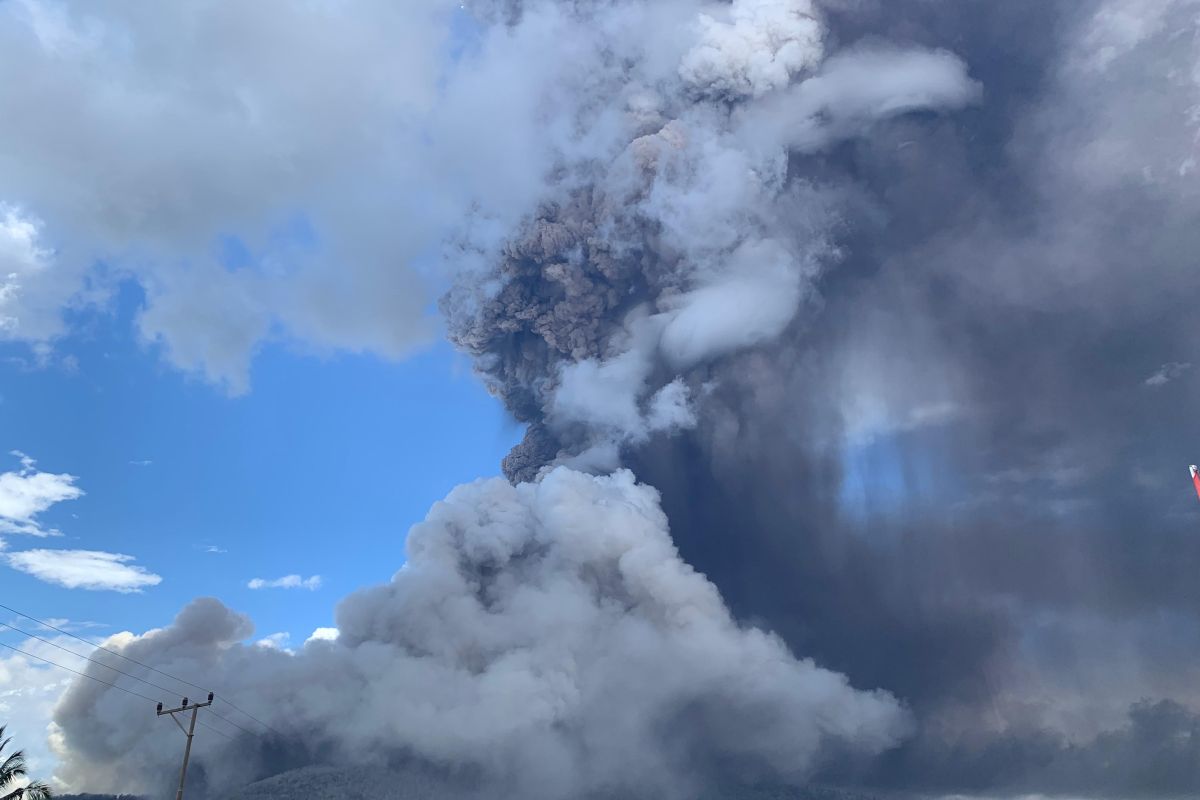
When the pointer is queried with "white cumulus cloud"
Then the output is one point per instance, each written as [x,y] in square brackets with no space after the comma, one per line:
[147,138]
[84,569]
[31,294]
[323,635]
[27,492]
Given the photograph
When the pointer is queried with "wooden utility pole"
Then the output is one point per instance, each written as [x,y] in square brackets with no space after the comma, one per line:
[189,732]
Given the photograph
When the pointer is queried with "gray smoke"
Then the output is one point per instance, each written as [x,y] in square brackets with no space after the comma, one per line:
[934,435]
[544,640]
[889,301]
[685,236]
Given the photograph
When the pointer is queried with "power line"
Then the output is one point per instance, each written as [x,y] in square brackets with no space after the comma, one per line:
[214,730]
[113,685]
[248,714]
[189,732]
[105,649]
[87,658]
[77,672]
[229,703]
[231,722]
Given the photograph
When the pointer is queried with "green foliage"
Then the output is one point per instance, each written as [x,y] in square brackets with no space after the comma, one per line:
[12,770]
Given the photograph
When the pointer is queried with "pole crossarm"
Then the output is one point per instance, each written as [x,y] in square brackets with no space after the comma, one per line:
[179,724]
[189,732]
[185,706]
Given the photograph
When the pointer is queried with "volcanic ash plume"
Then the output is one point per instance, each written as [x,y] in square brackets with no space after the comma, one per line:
[887,341]
[545,638]
[884,331]
[684,235]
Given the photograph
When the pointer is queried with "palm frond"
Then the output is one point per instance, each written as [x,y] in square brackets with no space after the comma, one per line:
[37,791]
[13,768]
[13,765]
[34,791]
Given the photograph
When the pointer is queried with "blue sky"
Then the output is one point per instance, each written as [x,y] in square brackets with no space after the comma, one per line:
[319,470]
[956,255]
[215,313]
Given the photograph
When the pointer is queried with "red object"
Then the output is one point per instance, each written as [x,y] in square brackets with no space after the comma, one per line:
[1195,478]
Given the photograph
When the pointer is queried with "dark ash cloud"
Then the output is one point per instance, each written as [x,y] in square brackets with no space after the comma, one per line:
[869,292]
[945,475]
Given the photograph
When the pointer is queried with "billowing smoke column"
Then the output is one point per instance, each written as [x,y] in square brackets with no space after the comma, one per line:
[543,640]
[891,341]
[892,303]
[688,236]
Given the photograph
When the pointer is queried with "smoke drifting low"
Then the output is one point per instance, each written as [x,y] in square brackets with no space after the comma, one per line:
[545,638]
[891,302]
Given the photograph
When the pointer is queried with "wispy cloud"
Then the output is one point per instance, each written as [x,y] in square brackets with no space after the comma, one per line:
[212,548]
[73,624]
[84,569]
[1168,372]
[145,462]
[287,582]
[27,492]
